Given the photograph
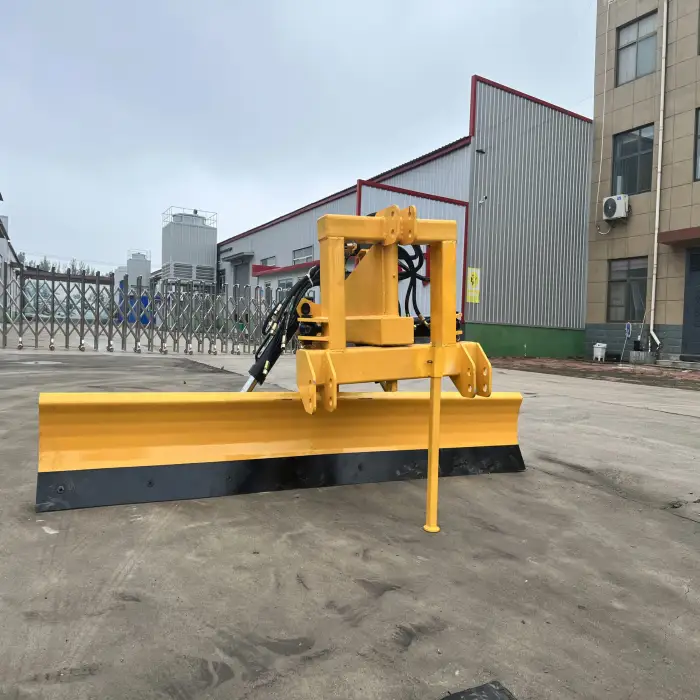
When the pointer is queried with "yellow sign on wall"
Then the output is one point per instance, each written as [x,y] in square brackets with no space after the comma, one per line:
[473,284]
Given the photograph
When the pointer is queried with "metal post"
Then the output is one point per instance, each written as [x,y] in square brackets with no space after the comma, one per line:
[224,309]
[443,301]
[20,343]
[190,329]
[81,347]
[125,310]
[164,314]
[98,320]
[110,323]
[5,310]
[67,308]
[247,303]
[151,314]
[178,320]
[52,331]
[137,313]
[36,313]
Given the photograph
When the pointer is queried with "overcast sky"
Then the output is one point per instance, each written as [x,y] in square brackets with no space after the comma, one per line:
[113,111]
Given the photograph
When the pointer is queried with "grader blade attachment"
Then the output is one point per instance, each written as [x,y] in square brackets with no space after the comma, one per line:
[109,449]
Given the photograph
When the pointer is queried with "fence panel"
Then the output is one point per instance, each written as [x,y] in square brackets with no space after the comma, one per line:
[72,310]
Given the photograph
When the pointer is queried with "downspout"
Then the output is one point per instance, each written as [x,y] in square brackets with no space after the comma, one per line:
[657,212]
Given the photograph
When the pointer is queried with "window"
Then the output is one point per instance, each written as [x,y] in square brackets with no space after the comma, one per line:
[285,285]
[627,289]
[302,255]
[220,280]
[270,261]
[696,173]
[632,161]
[636,49]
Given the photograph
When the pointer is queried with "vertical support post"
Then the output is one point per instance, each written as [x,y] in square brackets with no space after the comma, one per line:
[151,314]
[110,326]
[250,344]
[138,313]
[333,290]
[125,310]
[36,312]
[443,331]
[390,282]
[178,320]
[431,499]
[98,311]
[68,308]
[81,346]
[52,331]
[190,331]
[22,305]
[5,309]
[225,311]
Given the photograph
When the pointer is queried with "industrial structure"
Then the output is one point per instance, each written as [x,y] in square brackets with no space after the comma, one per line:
[138,264]
[644,235]
[518,187]
[9,262]
[188,249]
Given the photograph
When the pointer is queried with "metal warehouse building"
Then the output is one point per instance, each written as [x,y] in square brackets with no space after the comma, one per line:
[517,186]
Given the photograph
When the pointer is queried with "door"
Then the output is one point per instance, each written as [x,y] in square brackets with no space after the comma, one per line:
[241,275]
[691,314]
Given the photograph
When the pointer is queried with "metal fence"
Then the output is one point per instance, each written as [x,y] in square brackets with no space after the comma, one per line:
[62,310]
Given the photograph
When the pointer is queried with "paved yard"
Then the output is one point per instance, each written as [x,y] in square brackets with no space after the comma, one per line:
[575,579]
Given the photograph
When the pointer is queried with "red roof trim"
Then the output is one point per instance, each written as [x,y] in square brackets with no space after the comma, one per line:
[416,162]
[288,268]
[421,160]
[290,215]
[411,193]
[258,269]
[492,83]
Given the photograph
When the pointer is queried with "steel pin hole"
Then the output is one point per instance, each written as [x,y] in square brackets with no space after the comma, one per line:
[60,489]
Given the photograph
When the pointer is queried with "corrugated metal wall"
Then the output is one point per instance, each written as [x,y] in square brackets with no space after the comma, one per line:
[374,199]
[289,235]
[447,176]
[283,238]
[528,213]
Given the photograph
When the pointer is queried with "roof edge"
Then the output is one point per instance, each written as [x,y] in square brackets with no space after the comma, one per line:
[476,79]
[462,142]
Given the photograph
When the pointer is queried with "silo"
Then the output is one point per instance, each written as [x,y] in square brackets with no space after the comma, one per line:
[189,245]
[139,265]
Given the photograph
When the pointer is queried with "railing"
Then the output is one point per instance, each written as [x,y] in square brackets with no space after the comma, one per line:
[40,309]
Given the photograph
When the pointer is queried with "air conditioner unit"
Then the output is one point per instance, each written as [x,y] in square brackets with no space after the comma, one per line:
[616,207]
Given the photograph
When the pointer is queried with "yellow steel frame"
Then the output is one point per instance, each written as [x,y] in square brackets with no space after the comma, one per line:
[363,310]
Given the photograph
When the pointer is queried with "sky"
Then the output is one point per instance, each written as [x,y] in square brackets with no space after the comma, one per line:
[114,111]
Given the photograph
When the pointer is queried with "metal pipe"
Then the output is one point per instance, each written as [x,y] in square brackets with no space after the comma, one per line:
[250,384]
[657,212]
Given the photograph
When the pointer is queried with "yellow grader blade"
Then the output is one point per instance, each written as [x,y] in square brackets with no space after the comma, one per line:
[108,449]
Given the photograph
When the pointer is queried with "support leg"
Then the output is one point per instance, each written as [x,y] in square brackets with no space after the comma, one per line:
[431,522]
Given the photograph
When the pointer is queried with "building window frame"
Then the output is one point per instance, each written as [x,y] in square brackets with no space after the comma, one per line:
[635,43]
[269,261]
[627,281]
[303,255]
[619,160]
[285,284]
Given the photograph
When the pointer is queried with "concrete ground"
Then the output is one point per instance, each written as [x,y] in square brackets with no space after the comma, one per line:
[575,579]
